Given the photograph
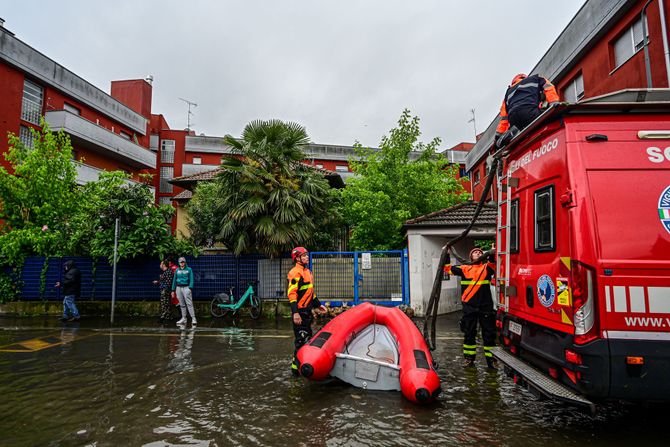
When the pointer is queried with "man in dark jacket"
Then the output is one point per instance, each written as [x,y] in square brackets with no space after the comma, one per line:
[71,289]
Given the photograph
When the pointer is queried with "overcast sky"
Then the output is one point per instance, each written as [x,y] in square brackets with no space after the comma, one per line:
[343,69]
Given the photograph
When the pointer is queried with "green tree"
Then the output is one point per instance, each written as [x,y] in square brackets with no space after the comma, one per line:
[143,224]
[265,200]
[391,186]
[38,198]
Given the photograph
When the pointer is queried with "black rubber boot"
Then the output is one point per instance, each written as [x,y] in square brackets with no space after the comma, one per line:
[492,363]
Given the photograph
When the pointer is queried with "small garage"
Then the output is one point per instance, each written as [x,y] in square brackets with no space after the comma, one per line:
[426,235]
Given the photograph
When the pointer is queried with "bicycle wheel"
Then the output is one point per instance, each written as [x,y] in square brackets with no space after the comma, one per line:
[216,309]
[255,309]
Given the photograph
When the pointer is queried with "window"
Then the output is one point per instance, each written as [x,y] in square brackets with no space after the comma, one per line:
[31,106]
[72,109]
[167,151]
[629,43]
[165,200]
[575,90]
[319,166]
[476,177]
[342,168]
[125,135]
[197,160]
[26,137]
[514,227]
[462,172]
[167,173]
[153,142]
[544,219]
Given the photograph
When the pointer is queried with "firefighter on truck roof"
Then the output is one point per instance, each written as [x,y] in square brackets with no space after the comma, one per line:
[523,101]
[477,305]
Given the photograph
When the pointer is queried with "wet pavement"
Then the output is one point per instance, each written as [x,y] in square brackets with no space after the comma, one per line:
[221,384]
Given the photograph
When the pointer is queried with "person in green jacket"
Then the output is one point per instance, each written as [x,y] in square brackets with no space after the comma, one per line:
[182,283]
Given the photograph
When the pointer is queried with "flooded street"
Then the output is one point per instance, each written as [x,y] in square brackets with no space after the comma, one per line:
[220,385]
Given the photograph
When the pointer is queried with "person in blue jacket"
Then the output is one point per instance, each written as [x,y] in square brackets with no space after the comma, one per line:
[182,283]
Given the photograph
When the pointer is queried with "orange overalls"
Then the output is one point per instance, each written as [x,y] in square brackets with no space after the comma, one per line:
[477,306]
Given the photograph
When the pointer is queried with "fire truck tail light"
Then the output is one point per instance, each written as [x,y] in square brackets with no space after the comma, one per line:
[630,360]
[583,296]
[572,357]
[653,134]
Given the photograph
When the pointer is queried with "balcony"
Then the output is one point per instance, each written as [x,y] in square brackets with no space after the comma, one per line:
[98,139]
[86,173]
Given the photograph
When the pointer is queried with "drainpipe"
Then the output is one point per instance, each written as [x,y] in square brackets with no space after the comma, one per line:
[647,64]
[664,36]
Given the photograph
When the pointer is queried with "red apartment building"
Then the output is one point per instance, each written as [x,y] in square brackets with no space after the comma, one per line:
[106,134]
[600,51]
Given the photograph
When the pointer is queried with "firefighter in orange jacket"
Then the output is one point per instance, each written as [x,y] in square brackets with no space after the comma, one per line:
[523,101]
[477,305]
[301,297]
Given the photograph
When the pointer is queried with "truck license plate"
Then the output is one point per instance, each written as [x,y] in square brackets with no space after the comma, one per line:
[515,327]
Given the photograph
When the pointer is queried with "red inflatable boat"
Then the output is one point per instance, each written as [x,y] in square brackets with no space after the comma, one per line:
[373,347]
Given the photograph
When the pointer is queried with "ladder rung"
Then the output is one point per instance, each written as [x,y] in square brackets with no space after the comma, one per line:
[502,227]
[502,279]
[503,252]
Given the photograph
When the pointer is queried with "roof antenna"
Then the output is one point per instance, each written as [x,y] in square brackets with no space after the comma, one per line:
[473,121]
[188,116]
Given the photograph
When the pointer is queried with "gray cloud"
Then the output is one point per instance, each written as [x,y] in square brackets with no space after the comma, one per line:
[344,69]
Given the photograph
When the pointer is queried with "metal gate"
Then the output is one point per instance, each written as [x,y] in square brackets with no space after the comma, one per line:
[380,277]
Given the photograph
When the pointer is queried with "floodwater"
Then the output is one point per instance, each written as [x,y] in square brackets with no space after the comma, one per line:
[221,385]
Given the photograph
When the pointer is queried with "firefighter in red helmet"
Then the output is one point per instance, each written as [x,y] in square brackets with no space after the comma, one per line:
[523,101]
[302,299]
[477,305]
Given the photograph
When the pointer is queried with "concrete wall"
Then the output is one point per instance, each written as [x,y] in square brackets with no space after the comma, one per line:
[424,256]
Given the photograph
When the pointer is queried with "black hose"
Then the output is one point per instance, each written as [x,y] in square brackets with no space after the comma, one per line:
[433,303]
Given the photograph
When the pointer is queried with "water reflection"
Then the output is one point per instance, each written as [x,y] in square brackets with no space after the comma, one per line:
[233,387]
[180,347]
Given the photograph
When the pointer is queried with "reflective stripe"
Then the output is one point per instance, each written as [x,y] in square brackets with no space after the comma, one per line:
[306,286]
[488,354]
[529,85]
[486,281]
[488,348]
[292,287]
[465,351]
[504,118]
[469,346]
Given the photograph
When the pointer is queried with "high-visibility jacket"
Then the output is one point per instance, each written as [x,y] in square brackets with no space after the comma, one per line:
[301,289]
[526,93]
[475,282]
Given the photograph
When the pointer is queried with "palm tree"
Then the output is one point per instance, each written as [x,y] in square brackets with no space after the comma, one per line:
[268,199]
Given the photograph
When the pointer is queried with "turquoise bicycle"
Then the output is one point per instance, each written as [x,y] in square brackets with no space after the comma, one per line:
[223,303]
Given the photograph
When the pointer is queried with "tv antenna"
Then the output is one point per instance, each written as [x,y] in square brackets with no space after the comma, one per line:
[188,116]
[473,121]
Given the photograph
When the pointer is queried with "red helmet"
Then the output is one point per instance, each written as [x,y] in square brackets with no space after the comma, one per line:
[474,250]
[297,252]
[518,78]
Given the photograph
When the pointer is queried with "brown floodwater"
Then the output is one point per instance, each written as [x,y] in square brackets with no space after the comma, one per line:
[229,384]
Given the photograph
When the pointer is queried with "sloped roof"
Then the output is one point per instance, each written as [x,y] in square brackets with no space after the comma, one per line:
[184,195]
[457,215]
[190,181]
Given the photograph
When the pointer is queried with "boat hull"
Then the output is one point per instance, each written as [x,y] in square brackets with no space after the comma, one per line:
[419,382]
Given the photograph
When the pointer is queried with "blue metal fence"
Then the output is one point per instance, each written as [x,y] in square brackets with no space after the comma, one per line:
[384,283]
[381,277]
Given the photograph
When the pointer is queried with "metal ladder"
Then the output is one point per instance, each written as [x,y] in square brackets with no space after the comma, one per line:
[504,184]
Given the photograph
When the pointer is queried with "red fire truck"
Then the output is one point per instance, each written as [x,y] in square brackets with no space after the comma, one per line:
[583,263]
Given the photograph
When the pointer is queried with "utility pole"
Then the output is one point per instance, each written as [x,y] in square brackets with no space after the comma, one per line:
[473,121]
[188,116]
